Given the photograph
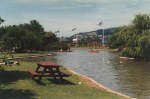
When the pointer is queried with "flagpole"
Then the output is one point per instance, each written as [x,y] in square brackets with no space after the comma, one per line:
[103,30]
[103,37]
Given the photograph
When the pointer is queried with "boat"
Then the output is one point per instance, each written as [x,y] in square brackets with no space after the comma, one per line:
[94,51]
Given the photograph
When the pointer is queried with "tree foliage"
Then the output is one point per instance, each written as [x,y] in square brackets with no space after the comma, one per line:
[133,40]
[23,37]
[1,20]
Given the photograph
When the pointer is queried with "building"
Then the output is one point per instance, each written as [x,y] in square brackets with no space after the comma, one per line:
[92,38]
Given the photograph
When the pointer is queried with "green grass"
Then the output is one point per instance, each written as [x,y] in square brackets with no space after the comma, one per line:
[16,83]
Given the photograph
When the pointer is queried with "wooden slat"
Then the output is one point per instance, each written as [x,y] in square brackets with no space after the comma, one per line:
[35,74]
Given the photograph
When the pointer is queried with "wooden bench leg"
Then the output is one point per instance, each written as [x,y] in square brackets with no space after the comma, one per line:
[40,77]
[52,73]
[33,77]
[60,76]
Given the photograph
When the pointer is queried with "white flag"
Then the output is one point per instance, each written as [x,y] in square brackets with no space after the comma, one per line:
[57,31]
[73,29]
[100,23]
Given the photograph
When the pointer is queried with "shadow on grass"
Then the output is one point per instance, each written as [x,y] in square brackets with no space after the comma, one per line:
[63,82]
[51,80]
[40,82]
[7,77]
[16,94]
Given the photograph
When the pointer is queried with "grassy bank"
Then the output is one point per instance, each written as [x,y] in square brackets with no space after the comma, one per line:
[16,83]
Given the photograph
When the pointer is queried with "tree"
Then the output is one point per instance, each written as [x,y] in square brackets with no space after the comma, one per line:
[133,40]
[31,41]
[12,37]
[36,27]
[27,36]
[141,22]
[1,20]
[22,37]
[49,37]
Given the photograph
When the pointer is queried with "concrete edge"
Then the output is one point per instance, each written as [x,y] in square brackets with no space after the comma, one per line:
[95,84]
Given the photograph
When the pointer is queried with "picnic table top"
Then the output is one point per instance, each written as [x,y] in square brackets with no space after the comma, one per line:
[48,64]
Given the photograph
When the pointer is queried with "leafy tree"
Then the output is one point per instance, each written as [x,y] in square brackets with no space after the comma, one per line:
[133,40]
[25,37]
[141,22]
[49,37]
[36,27]
[1,20]
[31,41]
[12,37]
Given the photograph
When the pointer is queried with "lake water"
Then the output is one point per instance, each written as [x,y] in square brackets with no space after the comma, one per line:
[126,76]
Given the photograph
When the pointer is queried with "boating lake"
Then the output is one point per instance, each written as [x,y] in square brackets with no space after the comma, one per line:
[129,77]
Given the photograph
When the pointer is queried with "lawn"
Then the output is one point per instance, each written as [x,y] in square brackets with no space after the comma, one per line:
[16,83]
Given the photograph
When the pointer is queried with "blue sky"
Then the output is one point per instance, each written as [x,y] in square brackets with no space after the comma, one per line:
[64,15]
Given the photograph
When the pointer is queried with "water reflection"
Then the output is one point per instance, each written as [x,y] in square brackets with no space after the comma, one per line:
[133,78]
[128,77]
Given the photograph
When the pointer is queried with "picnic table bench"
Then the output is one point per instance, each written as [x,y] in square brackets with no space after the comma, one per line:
[49,69]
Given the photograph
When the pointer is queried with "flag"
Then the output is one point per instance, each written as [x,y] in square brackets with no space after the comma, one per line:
[73,29]
[100,23]
[57,31]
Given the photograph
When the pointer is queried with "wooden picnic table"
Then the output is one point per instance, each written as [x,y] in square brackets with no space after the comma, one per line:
[48,69]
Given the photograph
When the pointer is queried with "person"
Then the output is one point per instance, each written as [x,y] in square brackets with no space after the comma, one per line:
[61,50]
[68,47]
[91,49]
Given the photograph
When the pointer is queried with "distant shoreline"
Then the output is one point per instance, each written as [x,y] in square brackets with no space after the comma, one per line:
[87,48]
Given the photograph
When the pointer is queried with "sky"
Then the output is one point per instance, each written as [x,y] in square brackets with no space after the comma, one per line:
[63,15]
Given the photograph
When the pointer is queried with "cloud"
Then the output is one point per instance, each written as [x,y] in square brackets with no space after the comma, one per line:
[65,14]
[72,4]
[66,7]
[34,1]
